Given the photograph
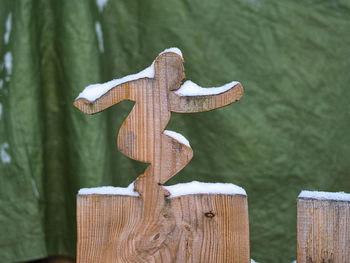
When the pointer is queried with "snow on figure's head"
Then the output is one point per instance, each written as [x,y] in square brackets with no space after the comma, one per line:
[173,74]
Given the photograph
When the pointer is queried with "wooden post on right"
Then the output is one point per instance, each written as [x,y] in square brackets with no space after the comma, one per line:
[323,227]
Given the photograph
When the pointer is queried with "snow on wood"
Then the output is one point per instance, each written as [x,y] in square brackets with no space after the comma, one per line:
[177,136]
[190,88]
[172,50]
[196,187]
[336,196]
[191,188]
[95,91]
[8,28]
[109,190]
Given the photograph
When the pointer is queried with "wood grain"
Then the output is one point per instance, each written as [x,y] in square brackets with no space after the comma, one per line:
[199,228]
[151,228]
[323,231]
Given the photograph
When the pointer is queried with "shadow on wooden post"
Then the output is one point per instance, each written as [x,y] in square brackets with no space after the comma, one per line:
[323,227]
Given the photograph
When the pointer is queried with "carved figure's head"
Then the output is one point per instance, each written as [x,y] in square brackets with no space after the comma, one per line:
[169,70]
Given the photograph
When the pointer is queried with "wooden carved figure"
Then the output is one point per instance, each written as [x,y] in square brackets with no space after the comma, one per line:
[158,234]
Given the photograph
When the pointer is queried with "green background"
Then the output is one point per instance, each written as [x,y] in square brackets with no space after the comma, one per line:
[290,131]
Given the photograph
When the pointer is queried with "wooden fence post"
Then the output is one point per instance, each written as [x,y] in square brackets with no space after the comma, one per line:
[323,227]
[153,227]
[197,228]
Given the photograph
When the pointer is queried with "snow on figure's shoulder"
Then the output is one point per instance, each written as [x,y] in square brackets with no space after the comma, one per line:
[196,187]
[190,88]
[109,190]
[319,195]
[94,91]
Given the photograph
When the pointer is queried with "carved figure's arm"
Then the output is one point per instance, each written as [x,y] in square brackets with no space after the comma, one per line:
[91,102]
[191,98]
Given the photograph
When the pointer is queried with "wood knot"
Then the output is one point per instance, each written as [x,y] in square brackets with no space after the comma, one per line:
[165,215]
[209,214]
[156,236]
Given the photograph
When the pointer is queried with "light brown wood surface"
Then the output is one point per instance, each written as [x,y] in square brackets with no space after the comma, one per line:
[197,228]
[323,231]
[142,138]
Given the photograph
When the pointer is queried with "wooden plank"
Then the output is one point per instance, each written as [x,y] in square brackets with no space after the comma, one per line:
[191,228]
[323,230]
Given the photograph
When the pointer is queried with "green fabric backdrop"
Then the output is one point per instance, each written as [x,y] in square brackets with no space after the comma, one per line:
[290,131]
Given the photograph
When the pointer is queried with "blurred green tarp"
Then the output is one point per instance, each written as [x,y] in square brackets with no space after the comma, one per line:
[290,131]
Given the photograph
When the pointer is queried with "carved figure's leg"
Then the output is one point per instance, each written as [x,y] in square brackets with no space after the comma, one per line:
[174,157]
